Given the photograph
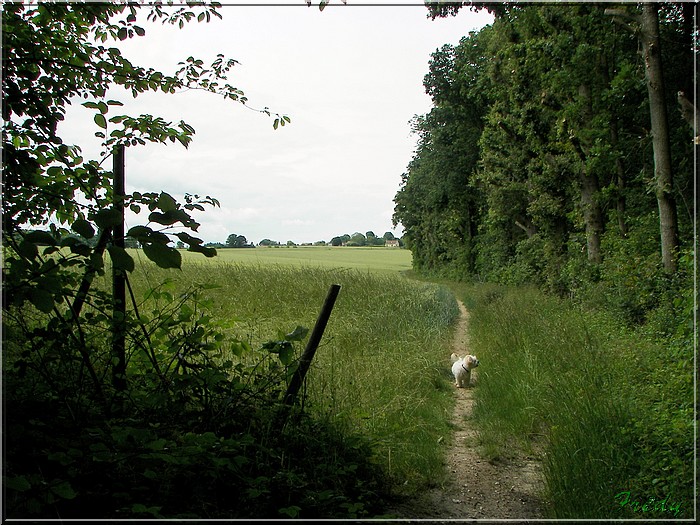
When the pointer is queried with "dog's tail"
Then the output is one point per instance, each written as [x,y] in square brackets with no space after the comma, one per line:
[454,357]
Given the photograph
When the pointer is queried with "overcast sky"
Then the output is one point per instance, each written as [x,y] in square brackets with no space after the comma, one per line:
[349,77]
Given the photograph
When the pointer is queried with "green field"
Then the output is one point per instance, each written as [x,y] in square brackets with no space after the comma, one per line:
[210,350]
[381,369]
[376,259]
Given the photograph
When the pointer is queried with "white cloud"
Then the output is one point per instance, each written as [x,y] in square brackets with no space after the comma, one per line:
[350,78]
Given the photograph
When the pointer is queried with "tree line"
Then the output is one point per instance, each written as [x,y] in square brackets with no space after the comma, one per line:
[356,239]
[559,147]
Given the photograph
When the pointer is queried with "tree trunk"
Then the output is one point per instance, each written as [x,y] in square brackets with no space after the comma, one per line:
[592,215]
[660,136]
[590,188]
[620,169]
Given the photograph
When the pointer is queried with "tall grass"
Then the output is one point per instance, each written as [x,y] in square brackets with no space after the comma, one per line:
[376,259]
[609,411]
[380,367]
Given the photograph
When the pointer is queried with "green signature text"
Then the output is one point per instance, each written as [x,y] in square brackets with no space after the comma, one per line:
[665,505]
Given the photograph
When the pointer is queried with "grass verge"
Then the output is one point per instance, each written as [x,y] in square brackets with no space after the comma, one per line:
[610,410]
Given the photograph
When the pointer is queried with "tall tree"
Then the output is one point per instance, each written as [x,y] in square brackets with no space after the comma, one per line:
[648,22]
[539,143]
[438,203]
[663,174]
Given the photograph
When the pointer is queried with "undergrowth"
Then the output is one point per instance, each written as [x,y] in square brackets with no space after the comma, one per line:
[200,431]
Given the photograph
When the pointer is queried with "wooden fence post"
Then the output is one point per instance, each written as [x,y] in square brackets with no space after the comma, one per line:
[118,277]
[311,346]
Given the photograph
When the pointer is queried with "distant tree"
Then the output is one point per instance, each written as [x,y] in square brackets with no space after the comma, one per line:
[236,241]
[388,236]
[357,239]
[291,243]
[320,243]
[268,242]
[336,241]
[373,240]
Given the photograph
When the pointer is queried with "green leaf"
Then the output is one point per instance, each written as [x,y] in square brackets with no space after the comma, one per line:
[63,490]
[166,202]
[97,261]
[18,483]
[298,334]
[83,228]
[286,354]
[121,258]
[55,171]
[28,250]
[208,252]
[107,218]
[138,232]
[42,299]
[122,34]
[101,121]
[169,217]
[81,248]
[164,256]
[139,30]
[40,237]
[188,239]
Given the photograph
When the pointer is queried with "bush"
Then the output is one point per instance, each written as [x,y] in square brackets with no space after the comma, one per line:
[199,432]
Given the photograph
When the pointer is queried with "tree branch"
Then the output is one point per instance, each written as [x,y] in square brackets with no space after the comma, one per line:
[623,18]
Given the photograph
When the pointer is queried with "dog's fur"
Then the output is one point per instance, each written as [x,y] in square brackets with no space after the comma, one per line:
[462,369]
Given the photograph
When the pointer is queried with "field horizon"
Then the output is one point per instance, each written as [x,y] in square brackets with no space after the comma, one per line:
[375,258]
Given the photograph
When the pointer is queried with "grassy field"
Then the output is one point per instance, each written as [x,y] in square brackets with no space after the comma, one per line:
[608,410]
[557,381]
[382,367]
[376,259]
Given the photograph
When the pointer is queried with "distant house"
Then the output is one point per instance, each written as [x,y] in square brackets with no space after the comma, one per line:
[393,243]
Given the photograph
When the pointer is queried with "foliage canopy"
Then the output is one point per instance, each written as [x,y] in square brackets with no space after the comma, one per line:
[536,163]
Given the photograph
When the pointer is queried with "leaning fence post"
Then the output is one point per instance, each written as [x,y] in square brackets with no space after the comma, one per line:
[312,345]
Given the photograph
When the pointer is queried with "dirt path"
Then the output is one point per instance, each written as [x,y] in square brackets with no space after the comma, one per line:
[476,488]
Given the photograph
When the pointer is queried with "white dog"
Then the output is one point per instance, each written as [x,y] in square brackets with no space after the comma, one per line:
[462,369]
